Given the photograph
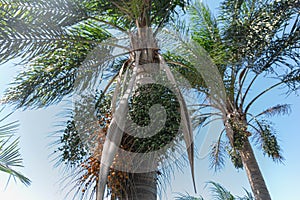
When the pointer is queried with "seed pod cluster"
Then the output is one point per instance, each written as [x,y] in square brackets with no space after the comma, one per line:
[116,180]
[139,106]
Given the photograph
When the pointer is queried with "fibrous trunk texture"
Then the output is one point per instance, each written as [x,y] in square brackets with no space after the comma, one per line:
[142,186]
[254,174]
[256,180]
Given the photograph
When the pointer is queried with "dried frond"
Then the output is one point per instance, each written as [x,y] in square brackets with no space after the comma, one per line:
[280,109]
[217,155]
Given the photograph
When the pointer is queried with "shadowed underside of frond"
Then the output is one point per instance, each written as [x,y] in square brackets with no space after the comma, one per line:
[30,28]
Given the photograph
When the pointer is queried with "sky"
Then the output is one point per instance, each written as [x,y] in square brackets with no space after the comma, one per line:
[36,126]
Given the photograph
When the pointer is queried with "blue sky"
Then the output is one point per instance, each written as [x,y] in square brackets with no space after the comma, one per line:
[35,127]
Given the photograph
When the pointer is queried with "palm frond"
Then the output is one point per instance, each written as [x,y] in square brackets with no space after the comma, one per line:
[202,64]
[206,32]
[217,154]
[10,158]
[205,21]
[247,196]
[9,152]
[123,14]
[292,79]
[280,109]
[29,28]
[263,92]
[40,12]
[57,73]
[185,68]
[8,128]
[186,196]
[187,125]
[47,82]
[219,192]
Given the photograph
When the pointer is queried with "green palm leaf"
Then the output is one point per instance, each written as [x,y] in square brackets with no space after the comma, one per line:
[28,28]
[9,152]
[182,196]
[219,192]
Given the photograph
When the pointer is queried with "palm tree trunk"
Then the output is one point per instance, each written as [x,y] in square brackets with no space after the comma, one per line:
[255,177]
[141,186]
[256,180]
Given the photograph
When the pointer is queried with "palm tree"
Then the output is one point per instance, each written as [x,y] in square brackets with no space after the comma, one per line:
[249,41]
[67,44]
[10,157]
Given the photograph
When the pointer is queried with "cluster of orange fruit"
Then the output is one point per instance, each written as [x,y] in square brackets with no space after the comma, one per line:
[116,180]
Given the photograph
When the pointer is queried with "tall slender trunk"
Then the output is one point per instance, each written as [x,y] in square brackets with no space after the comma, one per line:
[256,180]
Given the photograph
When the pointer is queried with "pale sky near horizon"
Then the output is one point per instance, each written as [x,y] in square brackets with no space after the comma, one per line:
[35,127]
